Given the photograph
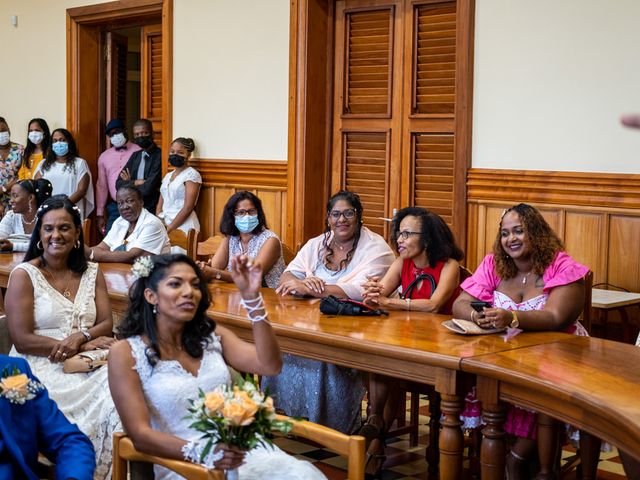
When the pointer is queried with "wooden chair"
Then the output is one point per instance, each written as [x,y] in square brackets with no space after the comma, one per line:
[209,247]
[86,230]
[188,240]
[287,254]
[350,446]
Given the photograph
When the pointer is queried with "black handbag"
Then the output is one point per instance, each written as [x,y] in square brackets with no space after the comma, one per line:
[423,276]
[332,305]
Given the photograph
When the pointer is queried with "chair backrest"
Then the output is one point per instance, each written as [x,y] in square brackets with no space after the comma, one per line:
[209,246]
[350,446]
[124,451]
[287,254]
[188,241]
[5,339]
[585,317]
[86,230]
[464,273]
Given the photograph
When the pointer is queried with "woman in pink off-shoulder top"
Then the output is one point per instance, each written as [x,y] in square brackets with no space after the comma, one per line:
[528,273]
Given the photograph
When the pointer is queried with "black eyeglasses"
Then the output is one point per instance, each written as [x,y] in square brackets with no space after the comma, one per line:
[406,234]
[349,213]
[242,213]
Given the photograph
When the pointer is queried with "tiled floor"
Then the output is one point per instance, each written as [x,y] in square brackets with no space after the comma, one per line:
[405,463]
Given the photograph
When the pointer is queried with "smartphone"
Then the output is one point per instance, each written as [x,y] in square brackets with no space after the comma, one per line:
[479,306]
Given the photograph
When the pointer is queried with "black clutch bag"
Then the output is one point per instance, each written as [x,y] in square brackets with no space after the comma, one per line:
[332,305]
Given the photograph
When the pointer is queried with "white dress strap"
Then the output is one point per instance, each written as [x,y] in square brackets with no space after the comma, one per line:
[138,349]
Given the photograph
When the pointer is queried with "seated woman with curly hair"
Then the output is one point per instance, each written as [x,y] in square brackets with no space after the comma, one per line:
[529,273]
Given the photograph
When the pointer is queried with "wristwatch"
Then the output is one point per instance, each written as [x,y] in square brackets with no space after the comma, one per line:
[515,323]
[86,334]
[218,275]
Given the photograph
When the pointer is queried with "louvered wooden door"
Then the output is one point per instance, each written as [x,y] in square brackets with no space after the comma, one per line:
[116,65]
[395,105]
[151,60]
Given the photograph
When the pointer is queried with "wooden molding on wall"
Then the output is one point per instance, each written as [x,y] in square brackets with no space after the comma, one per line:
[574,188]
[221,178]
[597,215]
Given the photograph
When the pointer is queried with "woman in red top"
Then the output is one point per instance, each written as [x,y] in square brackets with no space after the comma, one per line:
[427,276]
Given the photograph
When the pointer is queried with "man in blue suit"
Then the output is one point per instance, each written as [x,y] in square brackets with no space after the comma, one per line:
[30,422]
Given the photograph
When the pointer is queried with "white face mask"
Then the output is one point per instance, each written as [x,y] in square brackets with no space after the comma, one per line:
[4,138]
[118,140]
[36,136]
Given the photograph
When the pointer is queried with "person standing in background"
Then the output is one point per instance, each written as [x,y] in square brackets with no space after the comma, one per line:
[38,139]
[110,164]
[144,167]
[10,160]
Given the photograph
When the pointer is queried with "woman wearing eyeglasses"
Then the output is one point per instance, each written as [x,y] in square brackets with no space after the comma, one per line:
[427,273]
[336,263]
[340,260]
[245,228]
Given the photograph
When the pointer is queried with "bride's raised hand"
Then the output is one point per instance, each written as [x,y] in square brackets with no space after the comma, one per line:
[247,275]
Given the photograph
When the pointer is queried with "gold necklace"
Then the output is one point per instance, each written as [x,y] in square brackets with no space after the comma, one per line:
[524,279]
[65,292]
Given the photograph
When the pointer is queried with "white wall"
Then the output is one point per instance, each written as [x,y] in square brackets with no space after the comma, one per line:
[231,77]
[33,76]
[551,81]
[230,72]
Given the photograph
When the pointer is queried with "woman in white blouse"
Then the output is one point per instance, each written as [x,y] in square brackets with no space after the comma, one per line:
[16,226]
[180,188]
[68,173]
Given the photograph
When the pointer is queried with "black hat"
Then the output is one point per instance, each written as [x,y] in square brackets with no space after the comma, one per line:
[115,123]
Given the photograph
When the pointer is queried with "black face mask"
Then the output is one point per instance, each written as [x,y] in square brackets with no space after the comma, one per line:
[143,142]
[176,160]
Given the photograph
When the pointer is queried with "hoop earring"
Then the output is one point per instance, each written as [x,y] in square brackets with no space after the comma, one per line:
[30,206]
[39,245]
[78,243]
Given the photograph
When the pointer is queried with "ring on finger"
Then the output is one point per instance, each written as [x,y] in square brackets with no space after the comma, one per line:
[64,354]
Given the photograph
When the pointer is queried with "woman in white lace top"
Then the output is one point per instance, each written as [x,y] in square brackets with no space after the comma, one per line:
[172,350]
[70,313]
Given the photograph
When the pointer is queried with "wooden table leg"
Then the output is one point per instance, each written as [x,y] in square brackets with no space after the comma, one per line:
[433,452]
[451,442]
[493,450]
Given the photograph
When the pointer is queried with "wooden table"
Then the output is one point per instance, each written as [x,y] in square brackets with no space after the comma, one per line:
[589,383]
[415,346]
[606,300]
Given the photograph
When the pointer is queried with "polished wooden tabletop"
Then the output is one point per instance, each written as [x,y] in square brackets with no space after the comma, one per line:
[590,383]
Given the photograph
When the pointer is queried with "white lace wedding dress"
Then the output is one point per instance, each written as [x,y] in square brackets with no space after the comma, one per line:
[84,398]
[167,389]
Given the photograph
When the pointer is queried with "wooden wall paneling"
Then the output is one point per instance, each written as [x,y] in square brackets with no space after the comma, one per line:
[623,261]
[555,219]
[583,240]
[203,210]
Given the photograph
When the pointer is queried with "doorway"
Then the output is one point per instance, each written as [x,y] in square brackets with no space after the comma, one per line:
[114,50]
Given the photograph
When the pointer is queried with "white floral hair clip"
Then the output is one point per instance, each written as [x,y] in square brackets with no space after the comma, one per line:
[142,267]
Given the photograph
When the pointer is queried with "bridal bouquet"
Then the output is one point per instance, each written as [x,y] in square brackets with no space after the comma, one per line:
[239,415]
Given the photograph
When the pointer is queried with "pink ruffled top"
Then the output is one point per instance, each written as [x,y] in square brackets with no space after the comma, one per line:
[484,281]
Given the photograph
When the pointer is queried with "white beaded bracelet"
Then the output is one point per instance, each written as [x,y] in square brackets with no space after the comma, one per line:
[192,452]
[254,305]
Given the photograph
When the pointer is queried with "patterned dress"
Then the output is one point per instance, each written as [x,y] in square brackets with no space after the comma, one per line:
[272,277]
[9,170]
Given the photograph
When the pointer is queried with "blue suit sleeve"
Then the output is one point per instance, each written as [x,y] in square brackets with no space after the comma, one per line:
[60,440]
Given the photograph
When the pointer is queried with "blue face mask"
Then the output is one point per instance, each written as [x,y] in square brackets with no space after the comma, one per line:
[60,148]
[246,223]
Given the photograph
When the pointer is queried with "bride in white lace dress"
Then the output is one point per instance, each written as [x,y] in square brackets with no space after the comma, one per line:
[57,305]
[172,350]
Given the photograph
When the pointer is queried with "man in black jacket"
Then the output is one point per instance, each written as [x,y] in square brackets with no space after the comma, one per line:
[144,167]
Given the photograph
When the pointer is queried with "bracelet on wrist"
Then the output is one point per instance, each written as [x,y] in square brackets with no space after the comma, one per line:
[408,302]
[192,452]
[255,305]
[472,315]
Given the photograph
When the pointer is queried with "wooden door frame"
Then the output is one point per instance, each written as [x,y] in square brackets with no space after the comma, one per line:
[85,114]
[311,111]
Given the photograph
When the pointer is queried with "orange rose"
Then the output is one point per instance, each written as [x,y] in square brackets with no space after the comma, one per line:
[250,408]
[213,402]
[16,383]
[236,414]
